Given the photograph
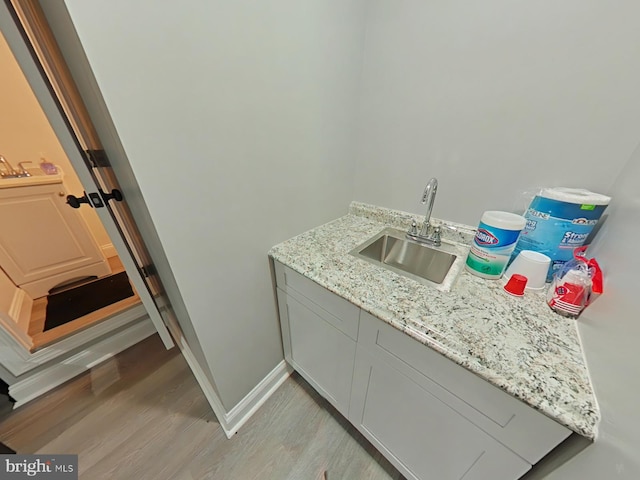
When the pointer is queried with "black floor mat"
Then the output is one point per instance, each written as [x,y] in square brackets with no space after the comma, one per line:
[4,450]
[76,302]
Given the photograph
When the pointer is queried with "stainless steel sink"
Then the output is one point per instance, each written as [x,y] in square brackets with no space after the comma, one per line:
[390,249]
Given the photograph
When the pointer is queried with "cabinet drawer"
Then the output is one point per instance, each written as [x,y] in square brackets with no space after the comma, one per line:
[343,314]
[525,431]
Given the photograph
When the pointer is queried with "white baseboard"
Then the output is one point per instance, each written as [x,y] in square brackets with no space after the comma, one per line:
[256,398]
[40,382]
[232,421]
[108,250]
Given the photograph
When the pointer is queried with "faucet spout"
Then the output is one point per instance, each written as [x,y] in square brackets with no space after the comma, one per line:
[428,199]
[9,170]
[427,235]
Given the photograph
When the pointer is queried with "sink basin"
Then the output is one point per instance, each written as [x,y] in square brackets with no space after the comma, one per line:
[390,249]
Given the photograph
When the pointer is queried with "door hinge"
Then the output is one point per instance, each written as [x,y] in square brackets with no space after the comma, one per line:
[97,158]
[149,270]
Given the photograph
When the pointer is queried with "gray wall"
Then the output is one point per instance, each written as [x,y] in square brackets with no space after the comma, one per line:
[237,119]
[63,29]
[610,331]
[496,98]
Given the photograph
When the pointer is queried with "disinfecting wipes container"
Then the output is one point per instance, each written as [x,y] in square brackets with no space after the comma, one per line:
[494,242]
[559,220]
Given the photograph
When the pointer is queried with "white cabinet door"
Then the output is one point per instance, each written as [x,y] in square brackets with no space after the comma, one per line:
[522,429]
[319,333]
[43,242]
[321,353]
[423,437]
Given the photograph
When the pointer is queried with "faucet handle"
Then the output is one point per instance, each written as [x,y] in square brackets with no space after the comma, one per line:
[413,229]
[434,236]
[436,233]
[22,170]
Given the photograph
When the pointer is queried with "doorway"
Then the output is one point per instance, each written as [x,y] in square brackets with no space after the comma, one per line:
[63,261]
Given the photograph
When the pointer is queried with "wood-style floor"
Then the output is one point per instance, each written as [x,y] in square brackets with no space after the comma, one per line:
[142,416]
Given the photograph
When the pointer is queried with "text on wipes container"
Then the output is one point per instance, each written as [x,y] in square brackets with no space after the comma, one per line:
[484,237]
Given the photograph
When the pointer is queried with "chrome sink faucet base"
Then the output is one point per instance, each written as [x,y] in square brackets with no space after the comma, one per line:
[428,234]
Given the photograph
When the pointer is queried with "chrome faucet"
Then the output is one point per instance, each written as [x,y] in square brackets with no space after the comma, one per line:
[23,172]
[10,172]
[428,234]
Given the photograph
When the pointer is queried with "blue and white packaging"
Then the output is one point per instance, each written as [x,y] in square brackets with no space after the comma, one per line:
[558,221]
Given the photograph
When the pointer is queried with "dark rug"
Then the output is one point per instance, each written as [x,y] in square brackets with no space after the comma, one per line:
[4,450]
[76,302]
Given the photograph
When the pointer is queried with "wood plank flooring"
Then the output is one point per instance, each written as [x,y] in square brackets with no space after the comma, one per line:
[142,416]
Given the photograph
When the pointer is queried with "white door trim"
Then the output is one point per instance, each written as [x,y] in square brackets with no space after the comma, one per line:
[40,382]
[17,359]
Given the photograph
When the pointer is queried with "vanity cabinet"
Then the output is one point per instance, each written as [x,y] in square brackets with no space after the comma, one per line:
[430,417]
[319,331]
[43,241]
[435,418]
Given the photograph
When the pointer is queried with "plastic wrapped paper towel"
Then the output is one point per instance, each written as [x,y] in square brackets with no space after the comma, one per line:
[558,221]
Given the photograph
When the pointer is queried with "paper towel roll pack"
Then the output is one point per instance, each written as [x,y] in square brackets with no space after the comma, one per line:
[558,221]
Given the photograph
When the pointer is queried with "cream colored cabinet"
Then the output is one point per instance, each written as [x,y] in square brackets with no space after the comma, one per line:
[44,242]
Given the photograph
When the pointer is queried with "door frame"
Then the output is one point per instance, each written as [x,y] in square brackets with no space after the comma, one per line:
[54,90]
[172,306]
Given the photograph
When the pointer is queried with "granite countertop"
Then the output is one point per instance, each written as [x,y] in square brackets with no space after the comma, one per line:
[516,343]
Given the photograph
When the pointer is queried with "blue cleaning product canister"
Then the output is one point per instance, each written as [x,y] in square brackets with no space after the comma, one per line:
[558,221]
[493,244]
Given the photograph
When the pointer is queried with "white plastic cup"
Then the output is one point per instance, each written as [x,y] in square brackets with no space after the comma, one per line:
[533,265]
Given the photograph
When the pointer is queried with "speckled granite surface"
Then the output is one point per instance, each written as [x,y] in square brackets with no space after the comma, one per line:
[517,344]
